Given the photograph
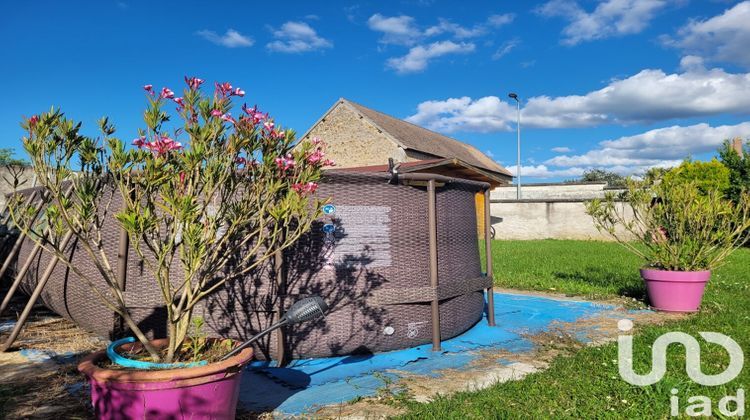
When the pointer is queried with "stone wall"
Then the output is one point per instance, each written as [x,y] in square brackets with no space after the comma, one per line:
[354,142]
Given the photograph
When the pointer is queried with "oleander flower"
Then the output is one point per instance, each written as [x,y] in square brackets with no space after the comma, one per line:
[286,163]
[223,89]
[140,141]
[193,82]
[166,93]
[228,117]
[316,156]
[307,188]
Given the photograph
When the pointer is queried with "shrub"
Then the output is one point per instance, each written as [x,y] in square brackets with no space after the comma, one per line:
[214,208]
[707,176]
[677,225]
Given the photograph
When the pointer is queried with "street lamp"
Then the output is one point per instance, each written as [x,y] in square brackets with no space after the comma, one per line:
[518,135]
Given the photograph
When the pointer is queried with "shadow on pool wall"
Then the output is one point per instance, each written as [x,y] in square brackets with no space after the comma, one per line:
[368,258]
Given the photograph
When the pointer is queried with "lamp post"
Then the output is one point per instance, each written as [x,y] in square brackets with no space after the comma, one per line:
[518,135]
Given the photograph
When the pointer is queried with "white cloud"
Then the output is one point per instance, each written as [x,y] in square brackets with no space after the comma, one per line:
[646,97]
[633,155]
[663,147]
[609,18]
[506,48]
[231,39]
[724,37]
[403,30]
[297,37]
[418,57]
[561,149]
[543,171]
[400,30]
[500,20]
[464,114]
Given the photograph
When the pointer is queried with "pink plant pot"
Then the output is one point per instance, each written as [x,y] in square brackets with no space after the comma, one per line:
[675,291]
[204,392]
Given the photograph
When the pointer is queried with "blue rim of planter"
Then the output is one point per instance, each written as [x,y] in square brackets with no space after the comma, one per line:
[116,358]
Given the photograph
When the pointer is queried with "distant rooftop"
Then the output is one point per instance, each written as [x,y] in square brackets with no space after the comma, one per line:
[414,137]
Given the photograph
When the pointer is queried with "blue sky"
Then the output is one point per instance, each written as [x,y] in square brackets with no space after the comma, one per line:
[616,84]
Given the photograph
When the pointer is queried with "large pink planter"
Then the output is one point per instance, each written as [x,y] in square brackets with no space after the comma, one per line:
[204,392]
[675,291]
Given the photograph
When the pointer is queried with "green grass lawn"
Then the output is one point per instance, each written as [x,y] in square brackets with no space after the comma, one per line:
[587,384]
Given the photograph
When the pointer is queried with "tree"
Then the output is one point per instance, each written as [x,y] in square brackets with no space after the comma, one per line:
[739,169]
[6,158]
[613,179]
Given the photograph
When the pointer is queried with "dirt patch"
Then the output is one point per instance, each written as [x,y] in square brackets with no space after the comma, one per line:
[38,376]
[49,385]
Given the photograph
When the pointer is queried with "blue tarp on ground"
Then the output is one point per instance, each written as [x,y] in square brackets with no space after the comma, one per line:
[305,385]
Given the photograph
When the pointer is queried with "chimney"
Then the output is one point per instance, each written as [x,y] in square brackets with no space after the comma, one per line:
[737,145]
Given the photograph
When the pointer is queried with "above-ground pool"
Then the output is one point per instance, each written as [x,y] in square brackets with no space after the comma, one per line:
[369,257]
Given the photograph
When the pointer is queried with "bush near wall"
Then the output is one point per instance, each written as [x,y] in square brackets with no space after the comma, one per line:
[708,176]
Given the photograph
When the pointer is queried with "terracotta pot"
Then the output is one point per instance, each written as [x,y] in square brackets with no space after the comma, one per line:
[203,392]
[675,291]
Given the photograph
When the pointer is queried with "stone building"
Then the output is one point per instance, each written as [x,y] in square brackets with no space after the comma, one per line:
[362,138]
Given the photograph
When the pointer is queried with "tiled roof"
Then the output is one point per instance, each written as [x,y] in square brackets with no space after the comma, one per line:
[420,139]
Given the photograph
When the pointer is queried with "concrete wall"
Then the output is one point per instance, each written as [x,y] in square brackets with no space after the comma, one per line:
[550,219]
[548,211]
[354,142]
[582,190]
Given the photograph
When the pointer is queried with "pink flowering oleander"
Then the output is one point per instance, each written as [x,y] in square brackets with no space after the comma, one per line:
[228,117]
[193,82]
[149,89]
[316,156]
[180,103]
[223,89]
[285,163]
[307,188]
[238,92]
[166,93]
[161,146]
[33,120]
[255,114]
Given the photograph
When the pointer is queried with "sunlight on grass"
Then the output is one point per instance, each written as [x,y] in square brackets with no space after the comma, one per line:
[587,384]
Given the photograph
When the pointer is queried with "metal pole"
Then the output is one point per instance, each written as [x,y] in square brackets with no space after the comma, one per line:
[19,277]
[35,295]
[518,162]
[280,293]
[432,226]
[488,259]
[122,275]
